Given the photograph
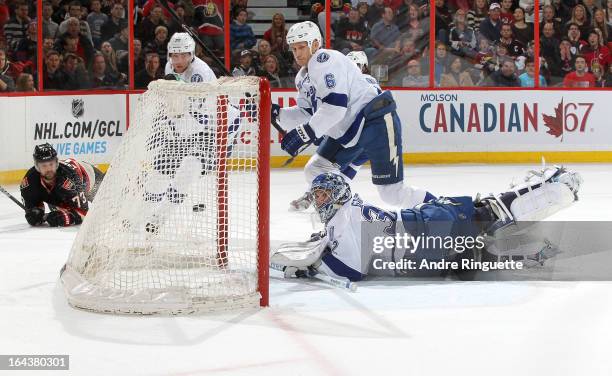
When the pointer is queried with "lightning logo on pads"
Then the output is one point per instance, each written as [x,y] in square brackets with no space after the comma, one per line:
[393,155]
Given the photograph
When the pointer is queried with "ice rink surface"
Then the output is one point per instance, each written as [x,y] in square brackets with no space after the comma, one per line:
[392,327]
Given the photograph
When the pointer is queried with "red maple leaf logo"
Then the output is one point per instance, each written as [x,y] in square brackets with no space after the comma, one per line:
[555,123]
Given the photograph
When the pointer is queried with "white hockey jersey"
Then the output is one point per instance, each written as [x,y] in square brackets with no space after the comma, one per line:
[331,94]
[350,237]
[197,71]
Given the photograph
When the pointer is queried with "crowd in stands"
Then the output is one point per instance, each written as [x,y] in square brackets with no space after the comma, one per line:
[478,42]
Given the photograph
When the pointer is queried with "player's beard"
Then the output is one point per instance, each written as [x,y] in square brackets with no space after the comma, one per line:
[50,176]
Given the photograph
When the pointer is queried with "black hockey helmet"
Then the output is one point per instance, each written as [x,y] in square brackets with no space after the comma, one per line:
[44,153]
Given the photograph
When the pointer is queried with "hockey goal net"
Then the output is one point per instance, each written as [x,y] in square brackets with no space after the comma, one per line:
[180,222]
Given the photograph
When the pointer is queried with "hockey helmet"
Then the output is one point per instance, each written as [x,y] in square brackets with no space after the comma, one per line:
[44,153]
[181,43]
[338,193]
[358,57]
[306,31]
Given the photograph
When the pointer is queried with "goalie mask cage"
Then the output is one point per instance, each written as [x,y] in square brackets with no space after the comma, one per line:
[180,222]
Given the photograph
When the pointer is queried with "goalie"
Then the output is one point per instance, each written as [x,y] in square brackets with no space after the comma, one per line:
[67,186]
[342,250]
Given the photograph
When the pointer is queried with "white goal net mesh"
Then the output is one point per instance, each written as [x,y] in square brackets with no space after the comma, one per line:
[175,226]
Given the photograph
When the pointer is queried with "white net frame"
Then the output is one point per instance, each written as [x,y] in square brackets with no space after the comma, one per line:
[180,222]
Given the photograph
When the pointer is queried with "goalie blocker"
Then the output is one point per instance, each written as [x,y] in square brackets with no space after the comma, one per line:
[345,250]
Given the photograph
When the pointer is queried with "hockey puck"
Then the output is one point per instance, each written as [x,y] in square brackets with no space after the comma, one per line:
[199,207]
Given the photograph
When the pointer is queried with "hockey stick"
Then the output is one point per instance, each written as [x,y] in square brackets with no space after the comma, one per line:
[342,283]
[11,197]
[194,35]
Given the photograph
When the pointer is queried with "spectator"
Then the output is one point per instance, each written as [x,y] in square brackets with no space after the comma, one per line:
[599,22]
[16,28]
[440,62]
[456,76]
[548,15]
[461,37]
[53,77]
[609,12]
[579,18]
[159,44]
[75,73]
[113,25]
[175,26]
[443,20]
[245,68]
[607,79]
[99,76]
[596,53]
[528,8]
[241,34]
[49,27]
[74,10]
[277,33]
[110,57]
[527,78]
[408,52]
[506,15]
[96,19]
[271,71]
[351,33]
[477,14]
[549,44]
[490,27]
[209,23]
[522,31]
[27,49]
[505,76]
[5,14]
[7,83]
[514,47]
[73,41]
[12,69]
[589,8]
[139,56]
[574,37]
[375,12]
[581,77]
[385,35]
[565,62]
[151,72]
[413,77]
[120,42]
[363,8]
[47,45]
[413,26]
[25,83]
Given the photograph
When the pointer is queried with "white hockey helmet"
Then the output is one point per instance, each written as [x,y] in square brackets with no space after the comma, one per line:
[181,43]
[306,31]
[359,57]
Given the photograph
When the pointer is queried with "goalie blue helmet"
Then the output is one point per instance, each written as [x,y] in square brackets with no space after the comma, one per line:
[329,192]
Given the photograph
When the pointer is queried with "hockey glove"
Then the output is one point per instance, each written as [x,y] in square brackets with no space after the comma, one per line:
[63,218]
[296,138]
[275,112]
[35,216]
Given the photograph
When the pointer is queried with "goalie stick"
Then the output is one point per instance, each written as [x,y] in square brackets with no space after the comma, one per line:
[11,197]
[342,283]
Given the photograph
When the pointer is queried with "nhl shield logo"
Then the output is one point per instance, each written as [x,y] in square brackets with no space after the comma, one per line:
[78,108]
